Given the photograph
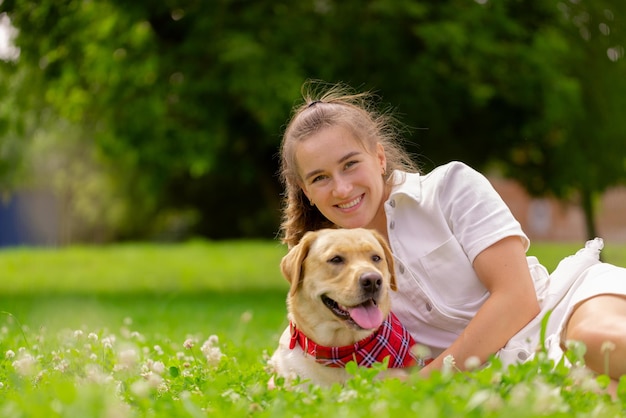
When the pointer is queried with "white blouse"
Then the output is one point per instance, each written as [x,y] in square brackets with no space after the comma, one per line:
[437,224]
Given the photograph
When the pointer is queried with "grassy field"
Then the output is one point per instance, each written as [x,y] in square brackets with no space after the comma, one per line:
[184,330]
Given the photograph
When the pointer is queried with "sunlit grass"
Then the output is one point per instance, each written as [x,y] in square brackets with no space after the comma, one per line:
[135,268]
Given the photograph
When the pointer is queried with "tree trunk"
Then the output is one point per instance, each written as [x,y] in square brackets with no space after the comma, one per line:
[587,202]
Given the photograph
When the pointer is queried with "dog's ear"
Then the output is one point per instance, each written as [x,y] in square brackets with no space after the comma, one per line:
[291,264]
[389,259]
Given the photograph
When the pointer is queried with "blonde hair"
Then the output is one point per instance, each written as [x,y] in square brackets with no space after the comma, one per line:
[326,105]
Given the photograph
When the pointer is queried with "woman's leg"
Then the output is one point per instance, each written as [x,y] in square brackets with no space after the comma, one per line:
[600,323]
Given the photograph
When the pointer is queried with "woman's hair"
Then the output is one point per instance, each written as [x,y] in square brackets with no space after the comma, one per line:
[324,106]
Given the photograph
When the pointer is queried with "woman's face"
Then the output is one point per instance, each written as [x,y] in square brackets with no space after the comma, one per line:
[342,178]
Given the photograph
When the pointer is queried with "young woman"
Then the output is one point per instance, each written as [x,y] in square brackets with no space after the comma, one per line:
[465,285]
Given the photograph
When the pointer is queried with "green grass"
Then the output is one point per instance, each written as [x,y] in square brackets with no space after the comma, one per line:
[137,268]
[101,331]
[549,254]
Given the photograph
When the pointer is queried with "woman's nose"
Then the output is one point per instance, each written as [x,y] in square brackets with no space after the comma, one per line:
[342,187]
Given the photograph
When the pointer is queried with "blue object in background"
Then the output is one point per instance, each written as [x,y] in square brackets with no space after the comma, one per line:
[29,218]
[11,229]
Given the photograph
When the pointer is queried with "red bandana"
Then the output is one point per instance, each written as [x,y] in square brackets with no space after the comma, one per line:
[391,340]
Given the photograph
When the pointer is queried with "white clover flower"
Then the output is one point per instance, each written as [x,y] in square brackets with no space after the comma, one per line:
[138,336]
[94,374]
[93,336]
[212,354]
[347,395]
[154,380]
[78,333]
[62,366]
[140,388]
[1,385]
[421,351]
[158,350]
[188,344]
[107,342]
[449,365]
[472,363]
[163,387]
[128,321]
[496,379]
[578,348]
[158,367]
[9,354]
[25,365]
[128,358]
[607,346]
[231,395]
[40,376]
[548,399]
[246,317]
[93,357]
[520,394]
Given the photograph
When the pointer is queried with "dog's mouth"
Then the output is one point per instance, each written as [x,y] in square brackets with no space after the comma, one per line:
[366,315]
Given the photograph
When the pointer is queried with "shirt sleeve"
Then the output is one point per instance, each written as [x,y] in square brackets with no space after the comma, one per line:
[476,214]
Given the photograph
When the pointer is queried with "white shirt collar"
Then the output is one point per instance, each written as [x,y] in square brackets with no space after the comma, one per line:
[409,184]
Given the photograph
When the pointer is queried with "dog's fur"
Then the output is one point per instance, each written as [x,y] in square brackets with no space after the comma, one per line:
[337,264]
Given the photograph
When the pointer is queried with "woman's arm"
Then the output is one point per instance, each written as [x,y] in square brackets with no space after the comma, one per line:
[512,303]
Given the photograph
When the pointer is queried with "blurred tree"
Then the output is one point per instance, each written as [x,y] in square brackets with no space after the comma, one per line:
[578,150]
[187,99]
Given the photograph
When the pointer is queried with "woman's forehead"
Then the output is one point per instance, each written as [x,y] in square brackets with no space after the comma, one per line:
[327,146]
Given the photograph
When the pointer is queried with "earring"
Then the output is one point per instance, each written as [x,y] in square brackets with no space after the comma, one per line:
[311,202]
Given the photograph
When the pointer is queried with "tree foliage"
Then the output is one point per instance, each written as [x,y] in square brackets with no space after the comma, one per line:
[185,100]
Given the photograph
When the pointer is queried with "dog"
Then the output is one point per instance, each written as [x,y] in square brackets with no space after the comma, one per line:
[339,308]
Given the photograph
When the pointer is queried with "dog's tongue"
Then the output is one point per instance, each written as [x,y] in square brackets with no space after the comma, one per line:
[367,315]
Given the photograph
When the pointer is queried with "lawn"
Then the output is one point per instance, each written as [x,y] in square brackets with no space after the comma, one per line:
[140,330]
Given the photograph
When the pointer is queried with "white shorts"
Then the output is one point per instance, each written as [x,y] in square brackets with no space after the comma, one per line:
[576,279]
[599,279]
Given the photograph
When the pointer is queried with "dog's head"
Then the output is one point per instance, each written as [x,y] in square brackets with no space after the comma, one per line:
[340,281]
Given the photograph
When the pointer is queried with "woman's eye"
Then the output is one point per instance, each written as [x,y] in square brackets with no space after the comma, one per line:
[336,260]
[318,178]
[351,163]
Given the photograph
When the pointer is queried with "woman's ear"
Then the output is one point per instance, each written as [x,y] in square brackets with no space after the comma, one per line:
[382,158]
[301,186]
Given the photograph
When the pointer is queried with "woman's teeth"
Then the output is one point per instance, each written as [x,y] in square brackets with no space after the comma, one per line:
[350,204]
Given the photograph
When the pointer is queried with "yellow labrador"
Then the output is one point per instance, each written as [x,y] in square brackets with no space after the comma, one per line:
[339,307]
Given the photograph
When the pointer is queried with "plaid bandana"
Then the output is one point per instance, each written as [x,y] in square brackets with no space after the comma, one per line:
[391,340]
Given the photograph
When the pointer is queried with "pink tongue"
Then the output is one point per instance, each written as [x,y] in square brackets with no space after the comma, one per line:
[367,316]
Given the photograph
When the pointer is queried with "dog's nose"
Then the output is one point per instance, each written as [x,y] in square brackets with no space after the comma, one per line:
[370,282]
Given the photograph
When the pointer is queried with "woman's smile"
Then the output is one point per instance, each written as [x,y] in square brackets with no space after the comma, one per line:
[351,204]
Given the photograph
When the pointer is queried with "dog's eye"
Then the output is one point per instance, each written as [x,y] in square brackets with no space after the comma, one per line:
[376,258]
[336,260]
